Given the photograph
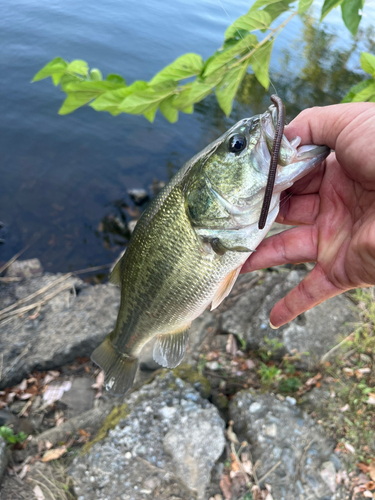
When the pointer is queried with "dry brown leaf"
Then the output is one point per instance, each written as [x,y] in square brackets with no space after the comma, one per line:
[84,433]
[54,454]
[226,487]
[38,493]
[363,467]
[372,469]
[370,485]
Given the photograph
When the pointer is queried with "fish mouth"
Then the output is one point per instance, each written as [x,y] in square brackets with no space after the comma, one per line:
[290,151]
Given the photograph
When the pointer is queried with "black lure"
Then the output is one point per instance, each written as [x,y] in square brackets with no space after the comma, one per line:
[274,159]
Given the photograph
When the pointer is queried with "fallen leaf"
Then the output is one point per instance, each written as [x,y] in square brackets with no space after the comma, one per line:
[25,469]
[48,445]
[368,494]
[226,487]
[54,454]
[345,408]
[371,399]
[349,447]
[370,485]
[372,469]
[363,467]
[38,493]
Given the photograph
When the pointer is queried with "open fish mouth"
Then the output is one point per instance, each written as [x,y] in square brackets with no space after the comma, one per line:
[290,151]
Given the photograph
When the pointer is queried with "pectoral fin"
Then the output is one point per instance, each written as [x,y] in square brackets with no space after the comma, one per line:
[225,288]
[220,248]
[170,348]
[115,276]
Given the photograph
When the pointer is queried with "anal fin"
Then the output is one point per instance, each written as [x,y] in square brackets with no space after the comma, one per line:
[119,370]
[225,288]
[170,348]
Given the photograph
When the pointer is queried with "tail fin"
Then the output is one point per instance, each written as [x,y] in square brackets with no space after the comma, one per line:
[119,371]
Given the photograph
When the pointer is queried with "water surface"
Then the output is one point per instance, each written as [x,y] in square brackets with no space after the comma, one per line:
[64,179]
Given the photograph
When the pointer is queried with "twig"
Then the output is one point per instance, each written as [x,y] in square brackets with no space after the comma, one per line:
[239,463]
[46,487]
[89,269]
[13,259]
[303,456]
[337,346]
[48,481]
[10,279]
[35,294]
[270,471]
[34,305]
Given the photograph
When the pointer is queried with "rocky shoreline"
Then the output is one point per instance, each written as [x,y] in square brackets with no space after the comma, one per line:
[217,427]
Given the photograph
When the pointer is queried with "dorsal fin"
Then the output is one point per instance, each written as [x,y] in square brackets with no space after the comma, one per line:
[170,348]
[115,275]
[225,288]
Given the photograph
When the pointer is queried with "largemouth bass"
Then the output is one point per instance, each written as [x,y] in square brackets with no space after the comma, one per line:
[188,247]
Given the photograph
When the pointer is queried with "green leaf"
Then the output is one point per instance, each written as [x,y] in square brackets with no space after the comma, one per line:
[168,110]
[226,90]
[96,74]
[350,14]
[110,100]
[150,115]
[139,103]
[304,5]
[66,79]
[92,87]
[365,94]
[253,20]
[368,63]
[275,9]
[223,58]
[55,67]
[261,3]
[183,67]
[328,6]
[116,79]
[188,109]
[260,62]
[356,89]
[74,101]
[79,67]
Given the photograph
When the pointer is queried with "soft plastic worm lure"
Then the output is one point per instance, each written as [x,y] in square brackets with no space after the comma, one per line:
[274,159]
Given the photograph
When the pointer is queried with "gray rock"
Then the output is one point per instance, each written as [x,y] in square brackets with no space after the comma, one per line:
[165,447]
[79,398]
[4,456]
[279,433]
[25,269]
[314,332]
[71,324]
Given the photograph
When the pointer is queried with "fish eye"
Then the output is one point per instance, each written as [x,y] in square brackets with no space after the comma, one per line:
[237,143]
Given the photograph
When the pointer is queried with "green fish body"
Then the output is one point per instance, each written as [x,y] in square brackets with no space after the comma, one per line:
[188,247]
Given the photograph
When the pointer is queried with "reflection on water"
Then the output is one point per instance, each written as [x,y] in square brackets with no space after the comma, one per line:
[64,180]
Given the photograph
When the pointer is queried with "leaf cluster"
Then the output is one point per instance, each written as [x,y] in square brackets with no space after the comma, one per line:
[364,91]
[189,79]
[8,435]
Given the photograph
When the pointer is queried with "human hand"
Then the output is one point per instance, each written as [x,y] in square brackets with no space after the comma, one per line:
[334,207]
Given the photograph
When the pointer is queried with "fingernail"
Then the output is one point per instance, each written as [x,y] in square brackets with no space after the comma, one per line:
[273,326]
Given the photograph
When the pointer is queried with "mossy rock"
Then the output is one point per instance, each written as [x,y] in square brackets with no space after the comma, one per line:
[190,374]
[118,413]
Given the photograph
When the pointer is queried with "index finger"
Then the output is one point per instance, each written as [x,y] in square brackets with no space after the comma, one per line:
[324,125]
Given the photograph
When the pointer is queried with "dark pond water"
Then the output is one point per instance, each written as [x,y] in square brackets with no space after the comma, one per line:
[64,179]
